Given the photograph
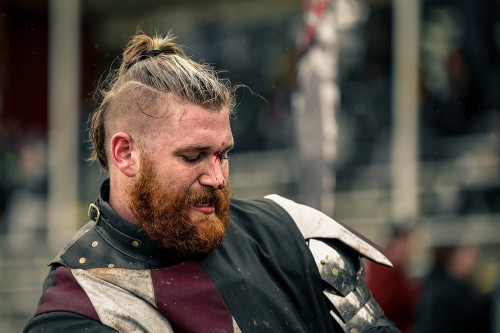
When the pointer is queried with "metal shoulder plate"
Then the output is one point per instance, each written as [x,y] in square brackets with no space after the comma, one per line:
[341,268]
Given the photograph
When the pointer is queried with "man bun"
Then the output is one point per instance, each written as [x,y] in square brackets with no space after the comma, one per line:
[142,47]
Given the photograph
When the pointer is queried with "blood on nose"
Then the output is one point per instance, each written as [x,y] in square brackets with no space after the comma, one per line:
[220,182]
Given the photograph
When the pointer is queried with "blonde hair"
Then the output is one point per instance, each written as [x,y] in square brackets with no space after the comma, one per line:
[153,68]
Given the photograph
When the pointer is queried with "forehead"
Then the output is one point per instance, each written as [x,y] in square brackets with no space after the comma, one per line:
[188,123]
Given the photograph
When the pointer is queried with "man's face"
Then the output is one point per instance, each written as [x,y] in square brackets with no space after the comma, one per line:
[181,196]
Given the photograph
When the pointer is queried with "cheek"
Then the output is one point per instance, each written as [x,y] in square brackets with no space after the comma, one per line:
[176,176]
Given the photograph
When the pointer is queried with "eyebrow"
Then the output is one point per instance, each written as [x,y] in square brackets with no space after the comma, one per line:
[192,149]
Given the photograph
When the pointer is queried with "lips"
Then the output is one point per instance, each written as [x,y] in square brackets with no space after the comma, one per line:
[205,209]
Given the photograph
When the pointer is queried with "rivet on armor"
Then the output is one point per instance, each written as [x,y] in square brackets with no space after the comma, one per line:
[354,330]
[95,243]
[82,260]
[322,262]
[135,243]
[335,272]
[111,265]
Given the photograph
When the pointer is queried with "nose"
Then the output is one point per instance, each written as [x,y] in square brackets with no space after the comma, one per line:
[215,174]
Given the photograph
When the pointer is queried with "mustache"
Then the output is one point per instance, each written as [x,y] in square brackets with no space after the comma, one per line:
[204,195]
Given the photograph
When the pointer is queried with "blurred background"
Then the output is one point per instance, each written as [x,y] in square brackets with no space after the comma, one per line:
[383,114]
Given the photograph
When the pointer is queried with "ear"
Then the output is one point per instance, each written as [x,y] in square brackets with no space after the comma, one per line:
[125,154]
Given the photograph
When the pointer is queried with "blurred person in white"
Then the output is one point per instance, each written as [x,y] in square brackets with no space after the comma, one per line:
[449,301]
[169,250]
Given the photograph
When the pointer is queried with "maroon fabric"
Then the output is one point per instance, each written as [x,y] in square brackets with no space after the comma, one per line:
[189,299]
[66,295]
[395,292]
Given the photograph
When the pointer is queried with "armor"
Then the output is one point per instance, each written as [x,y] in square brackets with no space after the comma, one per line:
[342,271]
[338,253]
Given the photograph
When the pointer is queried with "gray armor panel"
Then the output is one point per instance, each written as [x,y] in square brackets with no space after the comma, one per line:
[354,307]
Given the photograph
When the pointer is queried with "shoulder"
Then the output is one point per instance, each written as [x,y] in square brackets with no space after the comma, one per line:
[314,224]
[260,207]
[263,222]
[275,210]
[337,251]
[76,251]
[261,213]
[95,247]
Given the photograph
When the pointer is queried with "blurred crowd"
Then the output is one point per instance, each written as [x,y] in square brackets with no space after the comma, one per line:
[447,298]
[23,189]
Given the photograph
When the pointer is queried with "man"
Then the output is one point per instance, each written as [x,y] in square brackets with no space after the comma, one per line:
[449,300]
[168,250]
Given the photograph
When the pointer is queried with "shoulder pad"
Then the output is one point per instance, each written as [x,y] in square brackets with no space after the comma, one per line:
[92,248]
[314,224]
[76,237]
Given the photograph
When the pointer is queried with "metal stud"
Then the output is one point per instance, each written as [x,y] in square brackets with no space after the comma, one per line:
[135,243]
[111,265]
[82,260]
[95,243]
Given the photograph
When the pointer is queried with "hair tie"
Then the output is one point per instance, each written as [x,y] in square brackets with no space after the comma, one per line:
[150,54]
[153,53]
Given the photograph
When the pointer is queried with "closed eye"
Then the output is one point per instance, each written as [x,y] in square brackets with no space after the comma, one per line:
[192,158]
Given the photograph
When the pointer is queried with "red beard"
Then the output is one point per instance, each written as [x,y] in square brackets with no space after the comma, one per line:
[163,213]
